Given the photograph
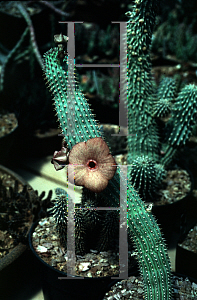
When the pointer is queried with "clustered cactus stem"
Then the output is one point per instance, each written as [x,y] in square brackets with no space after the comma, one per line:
[184,114]
[143,139]
[146,104]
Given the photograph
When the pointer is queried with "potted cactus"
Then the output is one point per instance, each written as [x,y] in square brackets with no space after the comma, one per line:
[88,157]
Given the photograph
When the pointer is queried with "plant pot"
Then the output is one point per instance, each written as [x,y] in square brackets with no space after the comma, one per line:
[18,277]
[174,218]
[8,135]
[17,271]
[56,284]
[15,261]
[186,253]
[132,288]
[21,242]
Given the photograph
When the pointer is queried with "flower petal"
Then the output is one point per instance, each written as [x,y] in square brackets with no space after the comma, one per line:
[97,148]
[62,154]
[77,154]
[108,167]
[94,150]
[95,182]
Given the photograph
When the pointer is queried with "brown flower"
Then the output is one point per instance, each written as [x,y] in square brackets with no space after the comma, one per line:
[94,166]
[60,158]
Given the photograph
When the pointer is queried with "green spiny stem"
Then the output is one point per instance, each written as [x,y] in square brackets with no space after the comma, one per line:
[166,94]
[27,18]
[144,105]
[152,252]
[74,115]
[10,54]
[143,129]
[162,108]
[184,115]
[167,89]
[140,83]
[146,176]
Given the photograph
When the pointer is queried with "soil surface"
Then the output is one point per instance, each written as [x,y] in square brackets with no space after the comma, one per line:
[47,245]
[176,186]
[190,242]
[132,288]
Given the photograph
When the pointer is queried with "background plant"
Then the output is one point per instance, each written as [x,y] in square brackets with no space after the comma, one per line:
[176,32]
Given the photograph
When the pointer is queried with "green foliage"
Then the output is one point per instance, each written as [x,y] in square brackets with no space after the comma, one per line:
[23,42]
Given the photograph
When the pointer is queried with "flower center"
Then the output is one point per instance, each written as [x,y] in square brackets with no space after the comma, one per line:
[92,164]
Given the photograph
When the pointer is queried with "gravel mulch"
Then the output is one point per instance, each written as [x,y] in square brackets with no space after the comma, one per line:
[132,288]
[190,242]
[47,245]
[176,186]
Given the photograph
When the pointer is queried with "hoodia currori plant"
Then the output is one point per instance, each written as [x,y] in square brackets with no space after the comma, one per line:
[146,167]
